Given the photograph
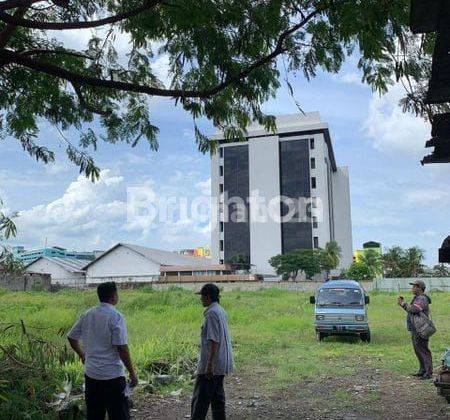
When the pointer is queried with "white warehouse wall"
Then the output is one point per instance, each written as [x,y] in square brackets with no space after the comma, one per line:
[122,262]
[58,274]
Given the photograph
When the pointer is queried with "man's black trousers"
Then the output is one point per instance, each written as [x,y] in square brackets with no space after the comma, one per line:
[106,397]
[208,392]
[423,353]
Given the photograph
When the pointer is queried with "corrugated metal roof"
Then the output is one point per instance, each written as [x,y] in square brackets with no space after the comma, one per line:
[167,257]
[75,266]
[158,256]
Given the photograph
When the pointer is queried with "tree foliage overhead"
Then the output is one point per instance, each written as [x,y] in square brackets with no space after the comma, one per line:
[224,58]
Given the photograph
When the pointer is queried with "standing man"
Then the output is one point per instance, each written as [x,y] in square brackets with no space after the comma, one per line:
[103,332]
[216,358]
[419,303]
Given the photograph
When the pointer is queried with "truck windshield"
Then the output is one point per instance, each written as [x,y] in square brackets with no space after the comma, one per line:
[340,297]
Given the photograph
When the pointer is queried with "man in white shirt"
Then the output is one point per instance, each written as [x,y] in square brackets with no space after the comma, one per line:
[104,353]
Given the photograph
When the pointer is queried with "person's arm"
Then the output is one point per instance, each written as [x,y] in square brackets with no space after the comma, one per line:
[124,354]
[75,344]
[213,337]
[212,354]
[418,306]
[74,336]
[120,340]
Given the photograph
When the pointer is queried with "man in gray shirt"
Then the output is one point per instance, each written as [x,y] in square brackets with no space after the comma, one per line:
[216,358]
[104,353]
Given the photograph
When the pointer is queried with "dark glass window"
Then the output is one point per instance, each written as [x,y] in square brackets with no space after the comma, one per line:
[316,242]
[311,143]
[221,170]
[221,152]
[220,261]
[236,185]
[313,163]
[295,184]
[315,224]
[221,226]
[221,245]
[221,188]
[313,182]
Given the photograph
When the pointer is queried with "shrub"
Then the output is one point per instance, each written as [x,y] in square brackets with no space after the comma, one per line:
[32,376]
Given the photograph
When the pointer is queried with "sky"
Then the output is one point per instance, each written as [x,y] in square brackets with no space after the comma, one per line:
[394,200]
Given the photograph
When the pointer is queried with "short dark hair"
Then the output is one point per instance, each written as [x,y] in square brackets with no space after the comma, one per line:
[212,291]
[105,291]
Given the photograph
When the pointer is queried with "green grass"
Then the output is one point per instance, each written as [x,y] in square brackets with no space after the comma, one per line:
[272,330]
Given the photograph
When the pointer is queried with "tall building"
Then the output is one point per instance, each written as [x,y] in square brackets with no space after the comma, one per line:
[275,193]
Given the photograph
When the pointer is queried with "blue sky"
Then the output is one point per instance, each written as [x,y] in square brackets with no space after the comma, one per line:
[394,199]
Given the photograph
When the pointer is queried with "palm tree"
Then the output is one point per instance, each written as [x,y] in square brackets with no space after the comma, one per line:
[372,260]
[331,256]
[392,262]
[414,261]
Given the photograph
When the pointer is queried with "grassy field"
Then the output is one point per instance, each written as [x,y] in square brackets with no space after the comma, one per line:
[273,339]
[272,330]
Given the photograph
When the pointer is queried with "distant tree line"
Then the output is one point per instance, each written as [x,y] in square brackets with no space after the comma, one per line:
[396,262]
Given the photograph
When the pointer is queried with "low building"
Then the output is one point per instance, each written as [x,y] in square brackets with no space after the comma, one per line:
[126,263]
[27,257]
[371,245]
[64,271]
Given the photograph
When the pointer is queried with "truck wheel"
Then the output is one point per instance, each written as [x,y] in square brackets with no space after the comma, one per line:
[365,337]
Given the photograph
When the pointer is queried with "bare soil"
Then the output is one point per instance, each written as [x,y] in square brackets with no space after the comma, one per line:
[371,394]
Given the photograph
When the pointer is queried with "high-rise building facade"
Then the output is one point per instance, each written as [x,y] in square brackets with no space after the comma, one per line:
[275,193]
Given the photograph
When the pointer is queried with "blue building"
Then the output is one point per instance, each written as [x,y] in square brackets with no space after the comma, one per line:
[55,251]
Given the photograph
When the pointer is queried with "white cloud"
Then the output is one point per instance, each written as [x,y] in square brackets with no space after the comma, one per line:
[87,213]
[204,187]
[427,196]
[352,78]
[391,130]
[58,167]
[161,69]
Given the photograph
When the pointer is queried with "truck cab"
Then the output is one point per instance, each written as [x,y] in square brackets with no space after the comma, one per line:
[340,308]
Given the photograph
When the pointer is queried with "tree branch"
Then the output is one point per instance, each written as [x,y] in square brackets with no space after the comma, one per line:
[12,4]
[85,104]
[8,56]
[279,49]
[38,51]
[60,26]
[10,28]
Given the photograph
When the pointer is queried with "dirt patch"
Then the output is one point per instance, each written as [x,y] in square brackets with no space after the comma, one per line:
[371,394]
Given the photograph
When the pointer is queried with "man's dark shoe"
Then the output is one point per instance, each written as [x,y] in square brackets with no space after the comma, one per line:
[426,377]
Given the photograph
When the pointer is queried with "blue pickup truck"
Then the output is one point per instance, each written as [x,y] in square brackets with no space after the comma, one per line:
[341,309]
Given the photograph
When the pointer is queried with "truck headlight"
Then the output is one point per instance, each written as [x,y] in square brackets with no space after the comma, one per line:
[320,317]
[360,317]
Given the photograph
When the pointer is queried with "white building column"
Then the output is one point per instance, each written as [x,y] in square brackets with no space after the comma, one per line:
[264,180]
